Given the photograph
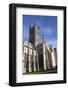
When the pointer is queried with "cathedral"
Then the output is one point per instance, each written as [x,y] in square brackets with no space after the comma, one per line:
[38,56]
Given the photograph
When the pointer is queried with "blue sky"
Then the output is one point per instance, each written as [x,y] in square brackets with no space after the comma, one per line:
[47,25]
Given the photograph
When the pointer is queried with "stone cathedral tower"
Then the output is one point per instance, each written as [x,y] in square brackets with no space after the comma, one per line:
[34,35]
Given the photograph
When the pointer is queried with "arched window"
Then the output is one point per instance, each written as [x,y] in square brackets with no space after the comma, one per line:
[31,60]
[26,61]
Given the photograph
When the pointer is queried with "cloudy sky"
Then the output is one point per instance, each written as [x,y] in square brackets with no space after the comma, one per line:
[47,25]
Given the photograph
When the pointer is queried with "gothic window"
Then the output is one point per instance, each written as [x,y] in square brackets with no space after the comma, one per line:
[35,61]
[25,60]
[31,58]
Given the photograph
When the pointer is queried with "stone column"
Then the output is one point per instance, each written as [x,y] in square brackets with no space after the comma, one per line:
[30,70]
[34,63]
[23,61]
[23,66]
[34,60]
[44,56]
[53,58]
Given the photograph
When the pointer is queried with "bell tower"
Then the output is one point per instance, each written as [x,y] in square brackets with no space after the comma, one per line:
[34,35]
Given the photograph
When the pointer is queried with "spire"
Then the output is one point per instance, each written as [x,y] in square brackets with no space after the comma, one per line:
[43,39]
[36,26]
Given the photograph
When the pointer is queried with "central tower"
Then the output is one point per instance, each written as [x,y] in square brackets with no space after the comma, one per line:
[34,35]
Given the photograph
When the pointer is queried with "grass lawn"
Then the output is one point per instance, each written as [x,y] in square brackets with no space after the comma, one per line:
[42,72]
